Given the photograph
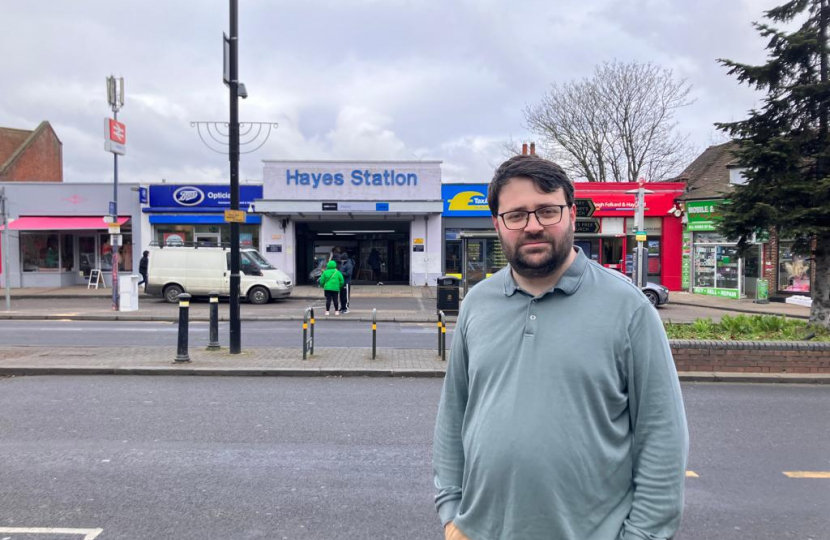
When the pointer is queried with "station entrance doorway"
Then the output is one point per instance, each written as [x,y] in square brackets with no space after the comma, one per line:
[379,249]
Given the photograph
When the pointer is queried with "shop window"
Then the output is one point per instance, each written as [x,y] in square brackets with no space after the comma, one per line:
[125,255]
[174,235]
[653,247]
[793,270]
[248,235]
[40,252]
[452,258]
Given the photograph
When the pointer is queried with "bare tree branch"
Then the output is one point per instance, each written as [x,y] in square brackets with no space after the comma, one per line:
[616,126]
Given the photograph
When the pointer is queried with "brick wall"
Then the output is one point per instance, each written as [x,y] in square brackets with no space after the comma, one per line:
[41,161]
[751,357]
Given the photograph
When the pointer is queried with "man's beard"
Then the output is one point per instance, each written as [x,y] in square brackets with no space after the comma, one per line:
[549,263]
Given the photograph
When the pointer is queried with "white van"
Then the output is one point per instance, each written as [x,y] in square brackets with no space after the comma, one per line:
[199,271]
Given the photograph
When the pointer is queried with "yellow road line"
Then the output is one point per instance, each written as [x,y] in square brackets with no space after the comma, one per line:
[807,474]
[691,474]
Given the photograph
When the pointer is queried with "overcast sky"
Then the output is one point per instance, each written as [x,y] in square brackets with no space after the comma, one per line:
[347,79]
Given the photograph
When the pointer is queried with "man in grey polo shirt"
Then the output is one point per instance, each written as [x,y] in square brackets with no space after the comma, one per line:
[561,416]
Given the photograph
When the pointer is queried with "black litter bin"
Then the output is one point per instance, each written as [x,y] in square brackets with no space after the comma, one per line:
[448,288]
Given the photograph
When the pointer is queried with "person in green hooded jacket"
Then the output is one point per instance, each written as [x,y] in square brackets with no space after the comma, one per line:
[332,281]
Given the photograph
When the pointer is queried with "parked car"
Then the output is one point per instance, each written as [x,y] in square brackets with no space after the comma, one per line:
[656,294]
[199,271]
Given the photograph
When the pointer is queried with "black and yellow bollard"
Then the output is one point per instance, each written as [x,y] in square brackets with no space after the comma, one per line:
[184,308]
[374,332]
[213,344]
[308,343]
[442,336]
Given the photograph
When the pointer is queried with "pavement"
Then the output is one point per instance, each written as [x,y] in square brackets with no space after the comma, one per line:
[286,362]
[93,304]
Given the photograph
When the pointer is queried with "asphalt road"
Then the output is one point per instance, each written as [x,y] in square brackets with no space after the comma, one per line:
[285,458]
[327,333]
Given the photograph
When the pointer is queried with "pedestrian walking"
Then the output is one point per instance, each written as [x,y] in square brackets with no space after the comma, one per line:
[375,262]
[347,269]
[332,281]
[143,265]
[561,414]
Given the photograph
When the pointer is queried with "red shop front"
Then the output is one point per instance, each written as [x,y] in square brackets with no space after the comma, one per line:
[607,234]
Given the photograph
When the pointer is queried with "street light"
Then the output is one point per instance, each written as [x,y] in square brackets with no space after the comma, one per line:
[640,255]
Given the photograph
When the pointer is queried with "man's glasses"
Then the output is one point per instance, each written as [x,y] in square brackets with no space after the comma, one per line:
[547,216]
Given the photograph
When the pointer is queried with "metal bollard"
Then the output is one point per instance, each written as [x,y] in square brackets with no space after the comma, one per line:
[308,344]
[442,336]
[374,332]
[213,344]
[184,307]
[440,314]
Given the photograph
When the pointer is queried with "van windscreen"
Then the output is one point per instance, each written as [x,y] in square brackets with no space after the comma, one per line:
[259,260]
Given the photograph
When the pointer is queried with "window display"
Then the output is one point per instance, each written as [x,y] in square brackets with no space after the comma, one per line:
[793,270]
[704,263]
[728,267]
[39,252]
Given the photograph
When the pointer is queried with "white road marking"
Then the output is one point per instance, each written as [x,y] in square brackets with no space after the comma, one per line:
[89,534]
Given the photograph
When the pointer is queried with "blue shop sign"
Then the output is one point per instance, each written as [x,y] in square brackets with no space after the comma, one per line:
[204,197]
[465,200]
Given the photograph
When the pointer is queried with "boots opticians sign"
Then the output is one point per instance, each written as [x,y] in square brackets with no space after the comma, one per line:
[201,196]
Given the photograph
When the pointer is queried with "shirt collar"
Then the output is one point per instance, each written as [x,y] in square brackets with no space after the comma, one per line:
[568,283]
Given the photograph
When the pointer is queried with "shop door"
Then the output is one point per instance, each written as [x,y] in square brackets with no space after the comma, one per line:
[87,254]
[483,257]
[474,269]
[611,250]
[752,272]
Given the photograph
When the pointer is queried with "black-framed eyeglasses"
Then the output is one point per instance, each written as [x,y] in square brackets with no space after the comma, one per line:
[547,216]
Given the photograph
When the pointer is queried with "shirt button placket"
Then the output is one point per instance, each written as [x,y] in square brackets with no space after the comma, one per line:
[531,318]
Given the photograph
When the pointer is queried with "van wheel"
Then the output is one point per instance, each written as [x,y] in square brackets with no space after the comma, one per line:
[259,295]
[171,293]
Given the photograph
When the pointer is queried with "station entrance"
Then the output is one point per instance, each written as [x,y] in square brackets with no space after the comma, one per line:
[379,249]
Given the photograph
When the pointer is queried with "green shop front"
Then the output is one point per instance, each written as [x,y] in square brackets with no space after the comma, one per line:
[711,264]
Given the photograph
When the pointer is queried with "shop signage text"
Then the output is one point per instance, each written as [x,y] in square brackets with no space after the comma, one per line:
[702,215]
[465,200]
[201,196]
[584,207]
[735,294]
[587,226]
[357,177]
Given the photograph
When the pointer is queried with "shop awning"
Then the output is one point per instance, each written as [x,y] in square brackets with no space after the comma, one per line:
[61,223]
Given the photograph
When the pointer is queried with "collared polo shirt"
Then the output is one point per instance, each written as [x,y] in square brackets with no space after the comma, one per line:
[561,415]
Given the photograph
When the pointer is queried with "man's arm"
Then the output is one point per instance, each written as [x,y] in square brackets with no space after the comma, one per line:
[660,442]
[447,447]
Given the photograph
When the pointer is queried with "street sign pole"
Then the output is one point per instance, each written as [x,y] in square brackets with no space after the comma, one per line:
[233,154]
[6,250]
[115,97]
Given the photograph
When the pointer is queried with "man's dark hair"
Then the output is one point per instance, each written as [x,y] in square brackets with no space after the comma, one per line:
[146,253]
[546,175]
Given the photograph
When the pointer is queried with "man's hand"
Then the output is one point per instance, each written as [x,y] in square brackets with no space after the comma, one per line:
[451,532]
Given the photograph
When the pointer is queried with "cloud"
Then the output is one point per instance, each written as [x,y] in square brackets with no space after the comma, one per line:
[346,79]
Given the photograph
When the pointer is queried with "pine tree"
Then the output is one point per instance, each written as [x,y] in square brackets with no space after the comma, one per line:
[784,146]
